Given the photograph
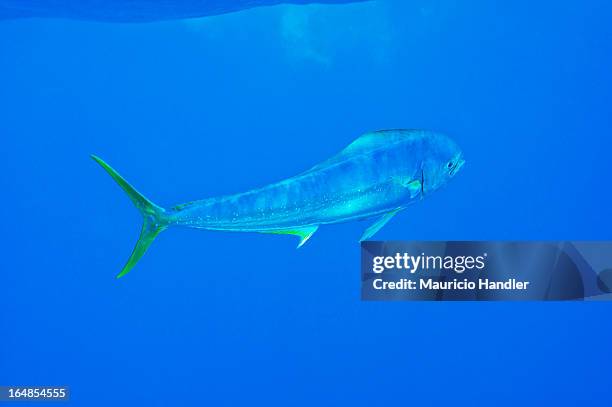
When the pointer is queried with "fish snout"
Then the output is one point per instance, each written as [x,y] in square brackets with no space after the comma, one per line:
[460,162]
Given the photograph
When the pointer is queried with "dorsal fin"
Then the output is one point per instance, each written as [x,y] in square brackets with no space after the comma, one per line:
[373,140]
[368,142]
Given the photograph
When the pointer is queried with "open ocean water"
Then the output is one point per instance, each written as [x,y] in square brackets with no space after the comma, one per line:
[198,108]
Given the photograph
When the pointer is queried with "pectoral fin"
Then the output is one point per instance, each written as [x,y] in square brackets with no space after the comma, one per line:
[376,226]
[414,187]
[304,233]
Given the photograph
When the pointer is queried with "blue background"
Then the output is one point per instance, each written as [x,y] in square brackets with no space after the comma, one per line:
[191,109]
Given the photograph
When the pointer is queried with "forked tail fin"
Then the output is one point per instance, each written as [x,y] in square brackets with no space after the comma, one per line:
[154,217]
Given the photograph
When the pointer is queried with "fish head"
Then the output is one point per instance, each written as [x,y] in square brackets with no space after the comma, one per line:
[441,162]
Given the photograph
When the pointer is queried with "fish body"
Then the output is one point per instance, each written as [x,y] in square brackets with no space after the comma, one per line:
[135,10]
[376,176]
[369,177]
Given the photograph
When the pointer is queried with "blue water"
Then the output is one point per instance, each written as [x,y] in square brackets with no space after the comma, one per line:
[191,109]
[135,10]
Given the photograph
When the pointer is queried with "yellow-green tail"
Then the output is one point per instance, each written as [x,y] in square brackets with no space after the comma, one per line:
[154,217]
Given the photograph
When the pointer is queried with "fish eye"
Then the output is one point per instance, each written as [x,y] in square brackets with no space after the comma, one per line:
[449,165]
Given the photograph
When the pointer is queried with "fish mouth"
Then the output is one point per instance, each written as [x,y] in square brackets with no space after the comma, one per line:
[458,165]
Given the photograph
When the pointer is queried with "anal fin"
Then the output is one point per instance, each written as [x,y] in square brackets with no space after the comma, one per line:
[304,233]
[376,226]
